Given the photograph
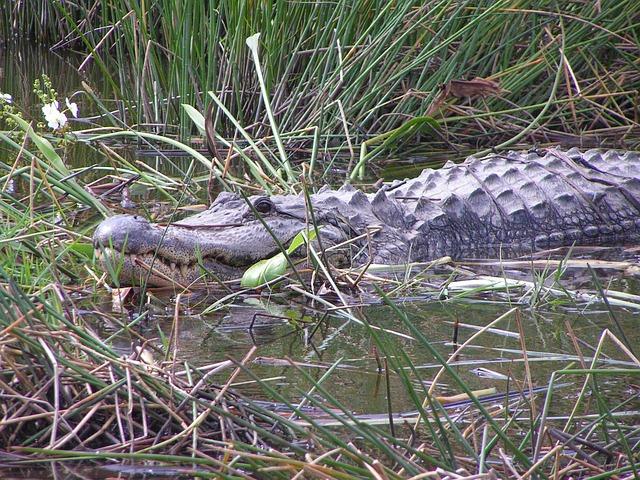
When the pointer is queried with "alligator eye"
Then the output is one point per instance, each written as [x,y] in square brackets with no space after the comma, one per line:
[263,205]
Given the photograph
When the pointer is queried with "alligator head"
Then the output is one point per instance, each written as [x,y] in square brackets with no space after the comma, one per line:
[220,242]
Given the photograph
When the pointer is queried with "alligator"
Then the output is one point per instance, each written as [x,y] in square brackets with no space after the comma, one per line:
[495,206]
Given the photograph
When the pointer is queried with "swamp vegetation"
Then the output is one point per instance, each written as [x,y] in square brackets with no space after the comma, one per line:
[512,369]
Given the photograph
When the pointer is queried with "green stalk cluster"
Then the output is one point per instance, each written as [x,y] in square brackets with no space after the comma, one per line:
[359,69]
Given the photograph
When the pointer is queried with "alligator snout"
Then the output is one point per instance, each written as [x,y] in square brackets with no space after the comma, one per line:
[129,233]
[137,250]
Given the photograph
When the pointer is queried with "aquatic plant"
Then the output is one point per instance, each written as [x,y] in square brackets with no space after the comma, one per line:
[353,70]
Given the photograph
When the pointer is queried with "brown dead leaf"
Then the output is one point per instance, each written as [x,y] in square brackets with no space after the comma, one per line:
[478,87]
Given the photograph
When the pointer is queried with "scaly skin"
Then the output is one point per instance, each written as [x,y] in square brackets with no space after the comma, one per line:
[500,205]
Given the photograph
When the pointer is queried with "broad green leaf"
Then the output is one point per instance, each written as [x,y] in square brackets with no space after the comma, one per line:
[82,248]
[300,239]
[264,271]
[271,268]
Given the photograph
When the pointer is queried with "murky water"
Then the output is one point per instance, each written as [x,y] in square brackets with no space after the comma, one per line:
[282,328]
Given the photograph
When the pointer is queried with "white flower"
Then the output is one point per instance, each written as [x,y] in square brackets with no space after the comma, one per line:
[54,117]
[5,97]
[73,107]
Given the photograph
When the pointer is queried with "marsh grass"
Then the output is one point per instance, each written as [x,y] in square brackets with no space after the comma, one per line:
[67,393]
[357,70]
[334,77]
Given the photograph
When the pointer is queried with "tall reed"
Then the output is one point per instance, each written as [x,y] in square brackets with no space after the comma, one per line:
[356,69]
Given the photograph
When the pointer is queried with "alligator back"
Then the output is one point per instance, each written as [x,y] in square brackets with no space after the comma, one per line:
[519,202]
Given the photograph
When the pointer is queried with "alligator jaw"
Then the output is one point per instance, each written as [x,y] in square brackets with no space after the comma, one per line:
[155,270]
[136,251]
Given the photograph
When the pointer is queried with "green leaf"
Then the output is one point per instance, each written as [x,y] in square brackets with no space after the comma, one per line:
[264,271]
[271,268]
[300,239]
[83,249]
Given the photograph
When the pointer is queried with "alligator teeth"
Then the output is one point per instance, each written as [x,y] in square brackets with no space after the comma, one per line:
[183,270]
[172,265]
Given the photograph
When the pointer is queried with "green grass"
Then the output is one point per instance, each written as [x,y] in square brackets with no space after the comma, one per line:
[355,79]
[70,396]
[359,69]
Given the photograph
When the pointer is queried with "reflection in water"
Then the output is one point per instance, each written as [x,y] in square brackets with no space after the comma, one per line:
[282,334]
[22,63]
